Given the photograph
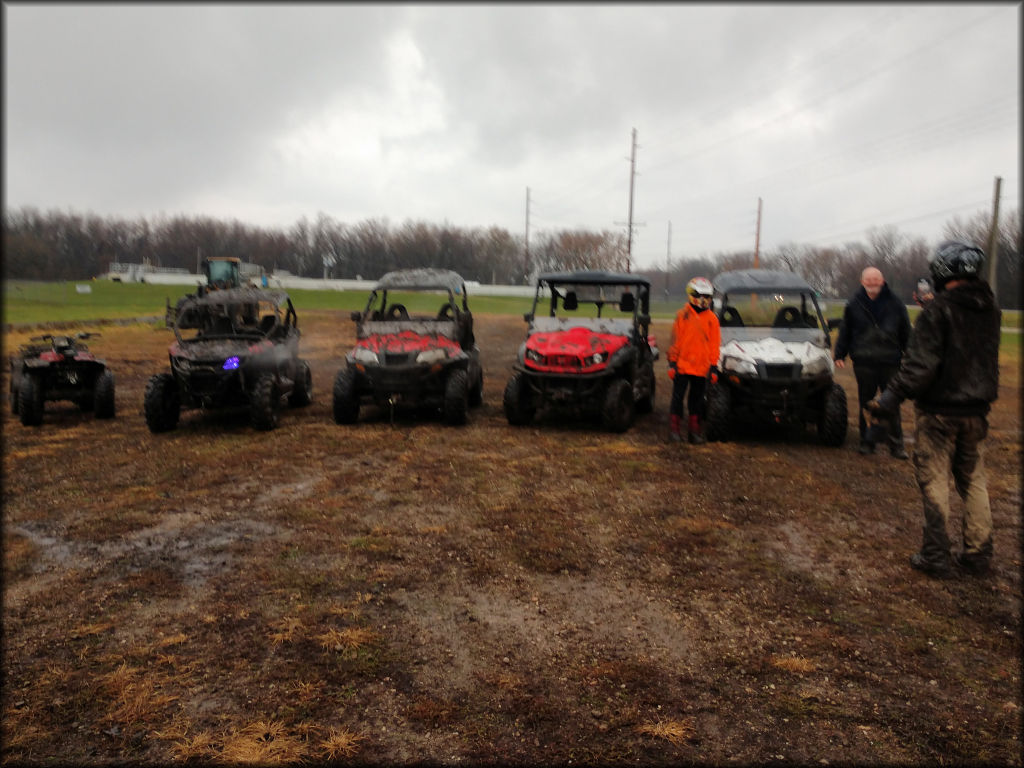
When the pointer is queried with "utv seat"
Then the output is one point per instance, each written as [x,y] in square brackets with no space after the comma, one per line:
[788,317]
[731,318]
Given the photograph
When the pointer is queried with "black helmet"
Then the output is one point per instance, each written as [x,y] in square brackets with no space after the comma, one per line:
[954,260]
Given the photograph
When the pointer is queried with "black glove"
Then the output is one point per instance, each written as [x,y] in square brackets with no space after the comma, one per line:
[884,409]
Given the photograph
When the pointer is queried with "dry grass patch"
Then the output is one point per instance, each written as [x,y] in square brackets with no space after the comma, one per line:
[676,732]
[348,639]
[340,743]
[138,697]
[796,664]
[262,742]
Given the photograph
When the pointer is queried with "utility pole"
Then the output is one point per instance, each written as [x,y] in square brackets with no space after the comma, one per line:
[668,258]
[526,263]
[993,239]
[629,224]
[632,176]
[757,237]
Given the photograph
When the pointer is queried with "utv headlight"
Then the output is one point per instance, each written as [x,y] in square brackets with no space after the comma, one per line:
[428,356]
[364,355]
[597,358]
[742,367]
[534,356]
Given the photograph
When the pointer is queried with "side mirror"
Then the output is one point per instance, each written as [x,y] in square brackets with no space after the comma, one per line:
[528,317]
[357,316]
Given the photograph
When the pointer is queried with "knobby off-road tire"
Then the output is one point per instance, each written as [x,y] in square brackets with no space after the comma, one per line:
[161,403]
[346,402]
[30,401]
[103,396]
[15,393]
[646,403]
[456,397]
[719,412]
[517,401]
[832,422]
[302,392]
[264,404]
[476,392]
[617,414]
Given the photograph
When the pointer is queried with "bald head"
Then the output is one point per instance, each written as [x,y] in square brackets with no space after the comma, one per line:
[872,280]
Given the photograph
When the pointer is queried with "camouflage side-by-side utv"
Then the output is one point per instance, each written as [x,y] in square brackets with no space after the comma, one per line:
[237,347]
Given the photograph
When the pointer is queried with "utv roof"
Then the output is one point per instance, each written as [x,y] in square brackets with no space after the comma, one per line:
[760,280]
[593,277]
[241,295]
[423,279]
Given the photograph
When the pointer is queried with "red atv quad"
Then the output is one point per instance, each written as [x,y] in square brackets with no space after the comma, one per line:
[592,353]
[61,368]
[409,352]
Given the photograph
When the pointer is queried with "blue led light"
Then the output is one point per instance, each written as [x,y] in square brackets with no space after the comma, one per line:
[230,364]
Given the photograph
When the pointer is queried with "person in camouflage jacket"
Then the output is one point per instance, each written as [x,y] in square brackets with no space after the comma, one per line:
[951,372]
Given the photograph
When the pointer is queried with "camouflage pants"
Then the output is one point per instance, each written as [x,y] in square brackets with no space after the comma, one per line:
[944,444]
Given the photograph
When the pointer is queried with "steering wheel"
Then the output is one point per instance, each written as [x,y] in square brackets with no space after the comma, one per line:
[398,312]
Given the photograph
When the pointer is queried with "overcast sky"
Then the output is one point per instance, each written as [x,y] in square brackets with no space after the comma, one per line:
[839,117]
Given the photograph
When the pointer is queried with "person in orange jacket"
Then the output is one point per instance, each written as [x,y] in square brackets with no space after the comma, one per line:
[696,338]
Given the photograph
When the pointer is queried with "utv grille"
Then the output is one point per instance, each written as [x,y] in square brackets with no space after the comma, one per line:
[398,358]
[782,372]
[564,361]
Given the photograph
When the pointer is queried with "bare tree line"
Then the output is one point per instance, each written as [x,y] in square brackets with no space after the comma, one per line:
[57,245]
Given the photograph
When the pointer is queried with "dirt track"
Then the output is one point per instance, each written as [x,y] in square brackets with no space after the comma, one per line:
[414,592]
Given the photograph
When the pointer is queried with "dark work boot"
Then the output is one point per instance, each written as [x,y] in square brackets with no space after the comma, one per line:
[976,565]
[930,568]
[897,450]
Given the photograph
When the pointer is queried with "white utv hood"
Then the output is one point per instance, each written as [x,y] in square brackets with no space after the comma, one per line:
[742,356]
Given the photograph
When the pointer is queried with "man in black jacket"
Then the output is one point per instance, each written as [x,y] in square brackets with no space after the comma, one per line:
[875,331]
[951,372]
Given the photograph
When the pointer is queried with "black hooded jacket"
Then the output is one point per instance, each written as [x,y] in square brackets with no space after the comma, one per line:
[874,332]
[952,364]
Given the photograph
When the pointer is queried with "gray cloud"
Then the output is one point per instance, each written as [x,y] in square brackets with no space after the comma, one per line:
[840,117]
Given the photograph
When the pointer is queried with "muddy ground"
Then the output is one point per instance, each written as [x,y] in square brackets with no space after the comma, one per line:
[409,592]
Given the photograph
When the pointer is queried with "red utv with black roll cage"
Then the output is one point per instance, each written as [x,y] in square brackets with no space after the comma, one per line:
[589,353]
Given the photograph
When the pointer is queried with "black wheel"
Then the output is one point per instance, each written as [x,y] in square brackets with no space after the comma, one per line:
[456,397]
[161,403]
[476,392]
[87,401]
[302,393]
[518,401]
[30,401]
[103,396]
[646,402]
[15,385]
[617,414]
[346,401]
[832,422]
[719,411]
[264,404]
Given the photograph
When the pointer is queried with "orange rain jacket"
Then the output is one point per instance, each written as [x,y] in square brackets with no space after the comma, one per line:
[696,338]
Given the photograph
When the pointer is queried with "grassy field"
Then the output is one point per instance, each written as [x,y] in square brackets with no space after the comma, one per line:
[29,303]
